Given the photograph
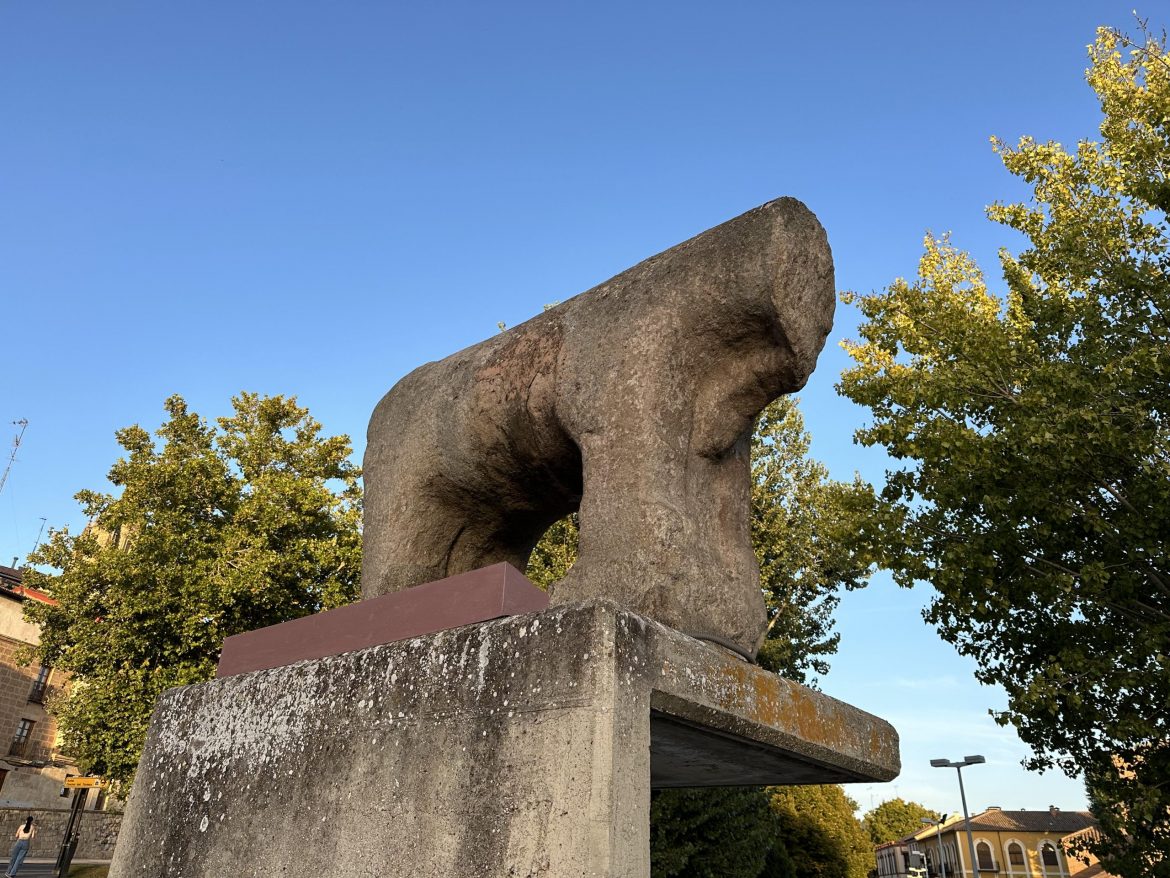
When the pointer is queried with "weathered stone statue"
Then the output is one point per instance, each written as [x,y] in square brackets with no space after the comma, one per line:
[633,402]
[410,743]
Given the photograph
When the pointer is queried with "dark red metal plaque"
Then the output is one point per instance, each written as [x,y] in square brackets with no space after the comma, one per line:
[487,593]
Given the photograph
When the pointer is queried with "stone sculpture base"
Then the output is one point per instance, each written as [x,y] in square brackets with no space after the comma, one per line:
[524,746]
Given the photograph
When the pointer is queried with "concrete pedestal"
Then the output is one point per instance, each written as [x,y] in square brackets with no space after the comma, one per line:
[524,746]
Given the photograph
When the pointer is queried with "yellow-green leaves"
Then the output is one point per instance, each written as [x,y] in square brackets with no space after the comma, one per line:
[1033,428]
[213,531]
[821,835]
[811,539]
[895,819]
[555,553]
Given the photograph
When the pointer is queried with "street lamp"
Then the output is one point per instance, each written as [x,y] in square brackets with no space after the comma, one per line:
[942,869]
[958,767]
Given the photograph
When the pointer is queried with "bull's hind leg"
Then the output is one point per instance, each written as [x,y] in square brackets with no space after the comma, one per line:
[443,531]
[409,547]
[434,539]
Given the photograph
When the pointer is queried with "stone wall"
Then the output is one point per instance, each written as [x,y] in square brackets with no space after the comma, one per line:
[12,622]
[16,682]
[99,832]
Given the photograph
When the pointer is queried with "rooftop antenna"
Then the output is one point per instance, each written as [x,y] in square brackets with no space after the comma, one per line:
[23,424]
[37,544]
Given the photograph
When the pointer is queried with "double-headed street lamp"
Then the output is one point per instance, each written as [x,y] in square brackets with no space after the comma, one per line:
[958,767]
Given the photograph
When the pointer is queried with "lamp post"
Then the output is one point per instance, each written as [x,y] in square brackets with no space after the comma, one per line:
[942,869]
[958,767]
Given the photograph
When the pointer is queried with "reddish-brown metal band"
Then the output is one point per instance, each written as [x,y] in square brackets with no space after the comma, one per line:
[487,593]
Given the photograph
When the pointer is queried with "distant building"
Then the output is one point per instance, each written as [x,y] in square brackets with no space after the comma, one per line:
[1008,844]
[33,766]
[894,861]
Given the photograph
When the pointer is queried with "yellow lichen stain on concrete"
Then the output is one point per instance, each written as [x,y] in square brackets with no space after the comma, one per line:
[758,697]
[772,701]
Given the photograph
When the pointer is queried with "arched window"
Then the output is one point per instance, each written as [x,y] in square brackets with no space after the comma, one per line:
[983,856]
[1015,853]
[1048,856]
[950,858]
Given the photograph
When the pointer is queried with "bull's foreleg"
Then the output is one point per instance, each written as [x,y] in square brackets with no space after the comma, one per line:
[666,533]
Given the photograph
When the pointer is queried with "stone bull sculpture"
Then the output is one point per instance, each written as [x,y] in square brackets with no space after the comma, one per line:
[633,402]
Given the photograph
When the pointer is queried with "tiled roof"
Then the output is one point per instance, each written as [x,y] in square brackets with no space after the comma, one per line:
[10,577]
[11,584]
[1063,822]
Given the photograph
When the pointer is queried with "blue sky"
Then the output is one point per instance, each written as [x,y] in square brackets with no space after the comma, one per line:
[312,198]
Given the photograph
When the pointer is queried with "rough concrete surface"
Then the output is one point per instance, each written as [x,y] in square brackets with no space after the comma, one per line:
[517,747]
[633,402]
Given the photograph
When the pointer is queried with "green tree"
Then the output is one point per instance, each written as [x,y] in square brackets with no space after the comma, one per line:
[895,819]
[555,553]
[779,863]
[821,835]
[812,537]
[722,832]
[1035,431]
[214,532]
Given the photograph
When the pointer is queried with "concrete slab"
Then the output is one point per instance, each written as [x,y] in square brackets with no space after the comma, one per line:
[525,746]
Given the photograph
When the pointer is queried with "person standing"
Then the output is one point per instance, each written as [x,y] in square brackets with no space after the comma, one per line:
[25,833]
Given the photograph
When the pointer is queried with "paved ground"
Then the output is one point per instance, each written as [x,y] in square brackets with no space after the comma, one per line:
[28,870]
[42,868]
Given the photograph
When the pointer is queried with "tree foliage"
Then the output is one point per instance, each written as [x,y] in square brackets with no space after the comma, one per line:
[895,819]
[821,836]
[722,832]
[555,553]
[812,537]
[1034,427]
[757,832]
[215,531]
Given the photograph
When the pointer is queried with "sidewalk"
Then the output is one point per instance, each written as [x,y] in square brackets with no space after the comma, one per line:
[77,861]
[39,867]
